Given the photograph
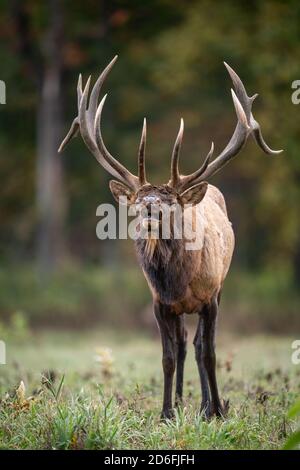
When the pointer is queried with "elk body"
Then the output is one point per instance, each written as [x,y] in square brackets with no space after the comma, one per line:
[182,281]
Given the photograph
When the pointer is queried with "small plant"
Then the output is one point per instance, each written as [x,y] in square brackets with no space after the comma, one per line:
[47,380]
[293,442]
[106,360]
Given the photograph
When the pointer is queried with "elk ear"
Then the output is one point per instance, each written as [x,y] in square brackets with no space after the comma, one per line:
[195,194]
[121,193]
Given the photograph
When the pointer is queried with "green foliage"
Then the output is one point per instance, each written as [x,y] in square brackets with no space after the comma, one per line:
[293,442]
[75,296]
[254,300]
[74,406]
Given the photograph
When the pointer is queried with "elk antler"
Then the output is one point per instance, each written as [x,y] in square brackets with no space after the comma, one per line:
[88,122]
[142,149]
[246,125]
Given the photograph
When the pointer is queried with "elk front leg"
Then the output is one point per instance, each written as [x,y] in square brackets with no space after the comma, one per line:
[166,320]
[181,336]
[209,317]
[198,343]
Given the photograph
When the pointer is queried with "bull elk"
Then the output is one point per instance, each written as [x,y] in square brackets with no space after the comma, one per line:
[181,280]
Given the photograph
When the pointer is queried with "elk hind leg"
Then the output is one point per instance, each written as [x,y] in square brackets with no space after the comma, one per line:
[205,407]
[209,356]
[181,336]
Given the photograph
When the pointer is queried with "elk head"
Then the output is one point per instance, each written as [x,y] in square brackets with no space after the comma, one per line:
[182,189]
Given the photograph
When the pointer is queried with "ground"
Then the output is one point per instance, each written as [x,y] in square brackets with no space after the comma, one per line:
[102,390]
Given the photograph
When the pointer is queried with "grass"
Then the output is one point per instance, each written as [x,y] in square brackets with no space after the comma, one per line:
[102,390]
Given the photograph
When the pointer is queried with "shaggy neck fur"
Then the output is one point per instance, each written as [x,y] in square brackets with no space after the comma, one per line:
[167,265]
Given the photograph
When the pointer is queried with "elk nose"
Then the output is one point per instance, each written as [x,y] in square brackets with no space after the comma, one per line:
[149,200]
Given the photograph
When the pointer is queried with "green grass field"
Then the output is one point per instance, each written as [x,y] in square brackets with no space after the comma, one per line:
[102,390]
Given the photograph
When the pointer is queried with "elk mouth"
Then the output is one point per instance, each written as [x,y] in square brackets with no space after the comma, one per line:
[152,222]
[151,219]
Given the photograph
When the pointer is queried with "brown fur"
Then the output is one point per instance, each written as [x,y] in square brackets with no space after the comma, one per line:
[204,269]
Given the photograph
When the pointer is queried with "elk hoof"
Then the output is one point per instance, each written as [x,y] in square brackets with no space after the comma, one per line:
[178,402]
[167,414]
[221,410]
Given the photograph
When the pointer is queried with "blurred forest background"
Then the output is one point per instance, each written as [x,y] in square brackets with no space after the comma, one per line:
[54,271]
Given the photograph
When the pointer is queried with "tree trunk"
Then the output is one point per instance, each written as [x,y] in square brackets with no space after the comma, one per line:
[51,201]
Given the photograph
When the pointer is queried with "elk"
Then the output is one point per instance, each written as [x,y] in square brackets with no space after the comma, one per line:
[181,281]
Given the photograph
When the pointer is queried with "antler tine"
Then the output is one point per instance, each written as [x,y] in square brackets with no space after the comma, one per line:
[240,91]
[82,117]
[116,168]
[246,125]
[88,117]
[247,101]
[79,89]
[258,137]
[175,176]
[93,103]
[86,132]
[186,181]
[73,132]
[74,129]
[240,113]
[177,180]
[236,142]
[141,159]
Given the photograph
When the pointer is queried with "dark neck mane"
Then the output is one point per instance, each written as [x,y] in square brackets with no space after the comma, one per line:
[167,266]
